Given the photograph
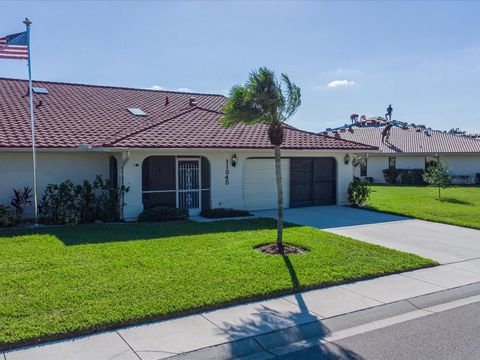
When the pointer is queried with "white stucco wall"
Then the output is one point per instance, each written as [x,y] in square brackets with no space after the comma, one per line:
[459,164]
[55,167]
[222,195]
[463,164]
[52,167]
[375,166]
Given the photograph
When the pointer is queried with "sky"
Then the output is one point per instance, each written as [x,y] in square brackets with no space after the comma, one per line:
[347,57]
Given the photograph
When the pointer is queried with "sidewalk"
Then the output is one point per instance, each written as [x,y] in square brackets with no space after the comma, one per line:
[227,326]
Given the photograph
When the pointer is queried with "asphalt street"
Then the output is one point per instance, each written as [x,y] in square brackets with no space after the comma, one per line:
[452,334]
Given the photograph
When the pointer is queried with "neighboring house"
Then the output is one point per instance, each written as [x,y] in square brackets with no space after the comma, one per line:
[411,147]
[168,147]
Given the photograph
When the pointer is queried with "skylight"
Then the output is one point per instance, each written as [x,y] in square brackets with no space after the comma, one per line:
[40,90]
[137,111]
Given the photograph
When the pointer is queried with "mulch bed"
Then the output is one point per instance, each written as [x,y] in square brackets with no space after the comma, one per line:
[287,249]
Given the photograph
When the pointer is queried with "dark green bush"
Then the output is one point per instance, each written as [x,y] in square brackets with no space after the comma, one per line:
[358,192]
[369,179]
[404,176]
[477,178]
[6,216]
[86,202]
[108,200]
[161,213]
[223,213]
[66,203]
[411,176]
[58,204]
[390,176]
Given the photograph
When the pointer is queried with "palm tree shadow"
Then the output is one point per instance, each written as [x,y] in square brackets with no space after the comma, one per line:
[274,328]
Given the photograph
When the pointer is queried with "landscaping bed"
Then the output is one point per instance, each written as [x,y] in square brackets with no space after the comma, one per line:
[61,281]
[459,205]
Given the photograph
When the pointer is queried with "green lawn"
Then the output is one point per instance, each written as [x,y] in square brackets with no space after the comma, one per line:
[459,205]
[77,279]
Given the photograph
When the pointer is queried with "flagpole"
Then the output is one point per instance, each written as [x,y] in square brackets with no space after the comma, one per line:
[27,23]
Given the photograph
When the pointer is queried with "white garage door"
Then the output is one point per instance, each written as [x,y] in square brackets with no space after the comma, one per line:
[260,186]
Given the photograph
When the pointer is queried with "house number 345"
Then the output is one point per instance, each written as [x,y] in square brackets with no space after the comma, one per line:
[227,173]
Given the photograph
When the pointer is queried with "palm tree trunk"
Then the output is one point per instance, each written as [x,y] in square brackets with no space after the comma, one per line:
[278,172]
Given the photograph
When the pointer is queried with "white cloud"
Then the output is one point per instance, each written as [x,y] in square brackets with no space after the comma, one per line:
[159,88]
[337,83]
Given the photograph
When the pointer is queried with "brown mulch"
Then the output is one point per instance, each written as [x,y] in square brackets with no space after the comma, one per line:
[273,249]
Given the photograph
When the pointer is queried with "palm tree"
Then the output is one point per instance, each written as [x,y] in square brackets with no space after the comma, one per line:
[265,100]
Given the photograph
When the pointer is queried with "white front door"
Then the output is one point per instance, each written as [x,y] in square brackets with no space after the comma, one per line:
[189,185]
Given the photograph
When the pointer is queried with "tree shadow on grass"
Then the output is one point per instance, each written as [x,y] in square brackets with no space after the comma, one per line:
[120,232]
[268,328]
[455,201]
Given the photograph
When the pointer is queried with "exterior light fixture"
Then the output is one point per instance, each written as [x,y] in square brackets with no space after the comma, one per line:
[346,159]
[234,160]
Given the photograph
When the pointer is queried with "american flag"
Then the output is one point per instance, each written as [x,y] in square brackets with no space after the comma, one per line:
[14,46]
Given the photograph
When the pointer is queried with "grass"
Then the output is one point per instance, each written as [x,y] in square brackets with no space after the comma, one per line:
[459,205]
[68,280]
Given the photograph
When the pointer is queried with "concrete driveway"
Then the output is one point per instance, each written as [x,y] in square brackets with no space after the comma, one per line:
[440,242]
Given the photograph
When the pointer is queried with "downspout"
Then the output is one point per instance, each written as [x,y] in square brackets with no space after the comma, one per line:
[125,158]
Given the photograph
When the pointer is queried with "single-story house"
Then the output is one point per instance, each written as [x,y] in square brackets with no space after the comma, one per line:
[411,146]
[168,147]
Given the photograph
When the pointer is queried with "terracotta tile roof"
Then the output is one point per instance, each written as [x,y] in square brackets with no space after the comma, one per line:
[410,140]
[75,114]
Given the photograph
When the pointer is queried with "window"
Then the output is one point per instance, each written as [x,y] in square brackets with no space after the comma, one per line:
[430,161]
[40,90]
[137,111]
[363,168]
[392,162]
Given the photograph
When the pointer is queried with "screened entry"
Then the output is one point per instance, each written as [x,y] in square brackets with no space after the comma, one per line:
[174,181]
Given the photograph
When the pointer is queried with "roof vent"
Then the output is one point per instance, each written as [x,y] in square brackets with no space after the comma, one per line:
[193,101]
[40,90]
[167,101]
[137,111]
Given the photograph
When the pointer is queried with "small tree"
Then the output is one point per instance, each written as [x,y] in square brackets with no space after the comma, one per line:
[438,176]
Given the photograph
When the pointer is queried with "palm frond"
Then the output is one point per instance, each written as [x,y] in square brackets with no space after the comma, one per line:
[266,91]
[293,97]
[263,99]
[240,108]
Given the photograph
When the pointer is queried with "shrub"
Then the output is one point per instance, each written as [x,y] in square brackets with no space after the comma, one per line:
[404,176]
[58,204]
[109,198]
[477,178]
[438,176]
[21,198]
[223,213]
[358,192]
[369,179]
[66,203]
[161,213]
[6,216]
[411,176]
[86,202]
[390,176]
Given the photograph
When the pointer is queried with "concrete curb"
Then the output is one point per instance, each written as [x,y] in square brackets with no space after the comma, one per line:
[299,337]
